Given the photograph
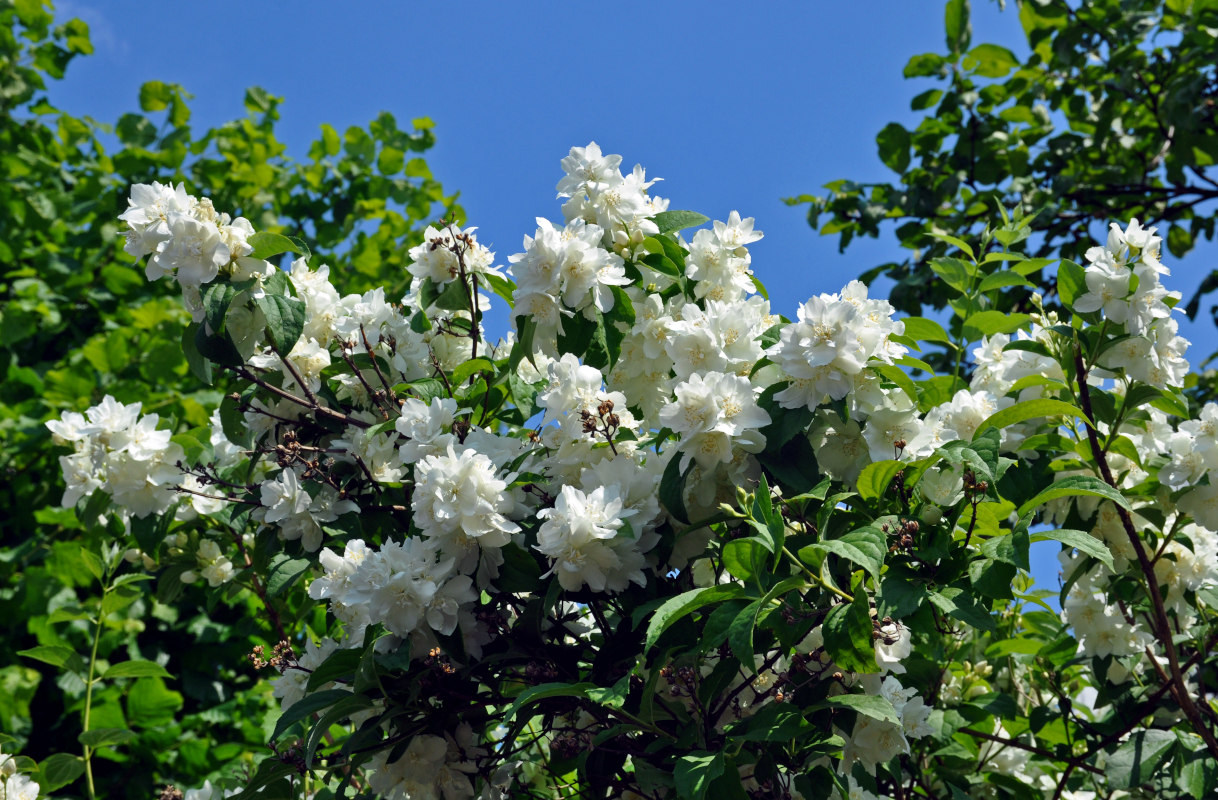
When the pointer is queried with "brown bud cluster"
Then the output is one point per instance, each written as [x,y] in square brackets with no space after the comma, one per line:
[282,658]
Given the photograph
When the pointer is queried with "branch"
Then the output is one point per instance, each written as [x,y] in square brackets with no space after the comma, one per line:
[1162,627]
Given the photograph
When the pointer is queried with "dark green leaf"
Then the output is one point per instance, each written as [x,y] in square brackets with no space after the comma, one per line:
[136,669]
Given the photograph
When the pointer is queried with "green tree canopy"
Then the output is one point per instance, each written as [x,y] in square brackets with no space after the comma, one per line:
[1111,114]
[79,321]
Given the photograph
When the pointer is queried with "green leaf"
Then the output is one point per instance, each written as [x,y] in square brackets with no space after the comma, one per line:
[1079,540]
[1076,485]
[960,244]
[536,693]
[695,773]
[953,271]
[925,330]
[150,703]
[56,656]
[847,632]
[899,597]
[959,604]
[740,636]
[58,771]
[1071,282]
[865,547]
[1135,762]
[683,604]
[1028,409]
[988,323]
[306,707]
[893,143]
[669,221]
[612,696]
[200,367]
[453,297]
[874,479]
[155,96]
[136,669]
[268,245]
[959,29]
[869,705]
[99,737]
[745,558]
[468,368]
[337,712]
[285,319]
[990,60]
[672,488]
[1003,279]
[284,571]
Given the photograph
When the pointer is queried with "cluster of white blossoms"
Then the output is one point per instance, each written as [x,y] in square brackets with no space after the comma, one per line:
[598,193]
[183,236]
[13,784]
[120,452]
[431,768]
[701,373]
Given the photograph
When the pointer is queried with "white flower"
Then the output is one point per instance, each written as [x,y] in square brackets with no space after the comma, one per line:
[460,503]
[715,412]
[893,645]
[194,252]
[581,535]
[444,253]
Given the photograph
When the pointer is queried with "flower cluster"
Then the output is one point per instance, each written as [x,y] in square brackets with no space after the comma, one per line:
[657,522]
[120,452]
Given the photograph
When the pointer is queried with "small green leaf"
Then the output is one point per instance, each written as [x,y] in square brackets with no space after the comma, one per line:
[99,737]
[959,604]
[268,245]
[874,479]
[925,330]
[865,547]
[695,773]
[745,558]
[990,60]
[1003,279]
[669,221]
[536,693]
[869,705]
[1135,762]
[58,771]
[1028,409]
[1071,282]
[847,632]
[893,143]
[677,607]
[136,669]
[1076,485]
[1079,540]
[284,571]
[988,323]
[55,655]
[959,29]
[306,707]
[672,489]
[285,319]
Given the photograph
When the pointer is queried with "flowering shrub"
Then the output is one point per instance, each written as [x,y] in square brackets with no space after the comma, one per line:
[658,541]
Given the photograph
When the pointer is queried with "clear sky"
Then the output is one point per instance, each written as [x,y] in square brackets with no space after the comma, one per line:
[735,105]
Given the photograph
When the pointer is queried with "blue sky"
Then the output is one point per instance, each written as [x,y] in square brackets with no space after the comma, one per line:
[736,106]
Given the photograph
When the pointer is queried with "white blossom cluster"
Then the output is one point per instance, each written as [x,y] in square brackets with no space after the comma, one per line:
[120,452]
[702,370]
[184,236]
[13,784]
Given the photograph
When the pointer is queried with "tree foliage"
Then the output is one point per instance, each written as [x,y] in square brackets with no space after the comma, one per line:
[1110,114]
[77,322]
